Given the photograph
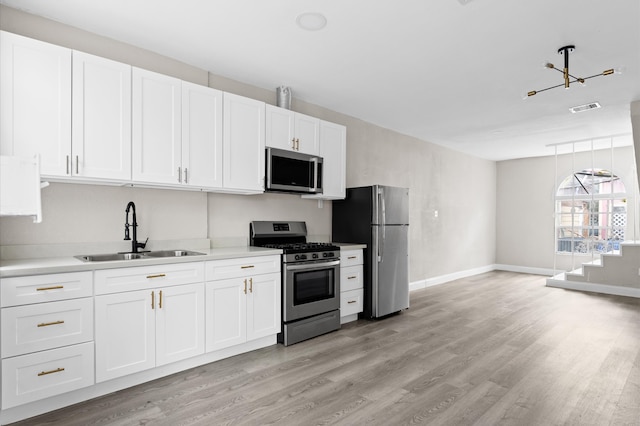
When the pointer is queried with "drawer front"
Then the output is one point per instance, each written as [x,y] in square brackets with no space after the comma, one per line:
[350,278]
[38,327]
[351,302]
[241,267]
[146,277]
[351,257]
[45,288]
[28,378]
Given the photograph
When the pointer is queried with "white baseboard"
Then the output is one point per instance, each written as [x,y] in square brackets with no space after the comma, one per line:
[594,287]
[443,279]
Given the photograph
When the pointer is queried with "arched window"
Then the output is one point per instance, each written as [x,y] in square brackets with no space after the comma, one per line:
[591,212]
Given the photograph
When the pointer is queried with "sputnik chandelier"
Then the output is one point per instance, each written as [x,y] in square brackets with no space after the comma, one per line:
[568,78]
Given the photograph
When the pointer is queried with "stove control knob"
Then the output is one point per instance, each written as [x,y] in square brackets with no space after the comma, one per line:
[297,257]
[315,255]
[303,256]
[324,254]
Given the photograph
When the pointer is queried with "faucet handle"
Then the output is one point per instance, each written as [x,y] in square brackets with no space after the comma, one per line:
[143,245]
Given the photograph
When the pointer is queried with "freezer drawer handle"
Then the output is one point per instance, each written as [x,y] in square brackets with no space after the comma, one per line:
[46,324]
[44,373]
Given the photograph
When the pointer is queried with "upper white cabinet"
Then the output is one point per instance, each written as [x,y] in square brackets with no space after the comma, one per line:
[243,144]
[292,131]
[333,150]
[101,130]
[157,133]
[201,136]
[35,105]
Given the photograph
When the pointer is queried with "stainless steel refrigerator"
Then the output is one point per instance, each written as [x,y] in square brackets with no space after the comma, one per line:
[378,216]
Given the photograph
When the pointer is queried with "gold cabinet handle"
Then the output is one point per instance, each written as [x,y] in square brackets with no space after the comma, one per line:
[160,304]
[353,277]
[156,276]
[351,301]
[68,165]
[247,267]
[153,300]
[351,257]
[245,286]
[297,144]
[44,373]
[47,324]
[250,285]
[55,287]
[77,168]
[293,144]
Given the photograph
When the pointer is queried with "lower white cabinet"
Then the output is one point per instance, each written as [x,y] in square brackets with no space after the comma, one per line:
[142,329]
[351,285]
[39,375]
[242,309]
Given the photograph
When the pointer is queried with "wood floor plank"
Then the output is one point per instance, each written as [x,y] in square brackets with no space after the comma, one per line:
[498,348]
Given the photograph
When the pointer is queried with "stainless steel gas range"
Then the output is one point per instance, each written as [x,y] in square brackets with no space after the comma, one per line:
[310,279]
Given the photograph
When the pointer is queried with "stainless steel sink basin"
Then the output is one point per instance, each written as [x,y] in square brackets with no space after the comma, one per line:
[172,253]
[109,257]
[132,256]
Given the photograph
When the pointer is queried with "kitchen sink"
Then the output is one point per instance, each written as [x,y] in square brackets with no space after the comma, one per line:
[172,253]
[132,256]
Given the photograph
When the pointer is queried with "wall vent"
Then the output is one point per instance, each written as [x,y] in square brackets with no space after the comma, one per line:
[586,107]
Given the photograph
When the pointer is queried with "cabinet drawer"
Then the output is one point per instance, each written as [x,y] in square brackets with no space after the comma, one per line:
[44,326]
[45,288]
[40,375]
[350,257]
[350,278]
[351,302]
[241,267]
[147,277]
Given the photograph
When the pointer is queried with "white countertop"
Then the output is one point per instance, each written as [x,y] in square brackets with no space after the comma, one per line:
[350,246]
[52,265]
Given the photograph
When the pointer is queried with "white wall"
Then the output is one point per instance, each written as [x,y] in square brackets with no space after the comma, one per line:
[462,188]
[525,205]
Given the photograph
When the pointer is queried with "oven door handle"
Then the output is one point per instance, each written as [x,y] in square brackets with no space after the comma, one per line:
[312,266]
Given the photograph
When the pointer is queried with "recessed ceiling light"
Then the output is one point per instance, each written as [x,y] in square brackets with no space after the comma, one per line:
[585,107]
[311,21]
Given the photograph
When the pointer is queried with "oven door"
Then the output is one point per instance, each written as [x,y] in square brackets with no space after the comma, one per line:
[310,288]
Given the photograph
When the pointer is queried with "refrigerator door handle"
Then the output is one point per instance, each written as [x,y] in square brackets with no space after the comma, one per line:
[384,208]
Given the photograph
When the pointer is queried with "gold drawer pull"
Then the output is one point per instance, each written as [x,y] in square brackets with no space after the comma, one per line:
[44,373]
[247,267]
[352,257]
[160,304]
[353,277]
[156,276]
[55,287]
[351,301]
[46,324]
[153,300]
[245,286]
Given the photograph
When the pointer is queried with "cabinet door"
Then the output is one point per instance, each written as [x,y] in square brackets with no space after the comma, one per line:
[101,132]
[243,144]
[280,128]
[263,306]
[156,125]
[35,106]
[201,136]
[179,323]
[333,150]
[307,134]
[226,313]
[125,333]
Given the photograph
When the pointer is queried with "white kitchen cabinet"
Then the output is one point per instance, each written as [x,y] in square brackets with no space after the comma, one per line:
[143,329]
[243,144]
[351,285]
[147,316]
[242,300]
[101,130]
[157,121]
[201,162]
[35,105]
[333,150]
[292,131]
[46,336]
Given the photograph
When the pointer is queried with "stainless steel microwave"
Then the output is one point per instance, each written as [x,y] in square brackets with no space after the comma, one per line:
[288,171]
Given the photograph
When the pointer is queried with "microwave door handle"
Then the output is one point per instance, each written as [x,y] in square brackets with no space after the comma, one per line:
[314,188]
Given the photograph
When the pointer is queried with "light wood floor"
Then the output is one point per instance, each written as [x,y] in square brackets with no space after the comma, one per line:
[494,349]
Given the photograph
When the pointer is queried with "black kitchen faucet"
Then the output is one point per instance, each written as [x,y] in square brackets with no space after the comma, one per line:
[135,245]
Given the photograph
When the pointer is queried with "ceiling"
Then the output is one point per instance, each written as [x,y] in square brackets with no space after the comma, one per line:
[451,72]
